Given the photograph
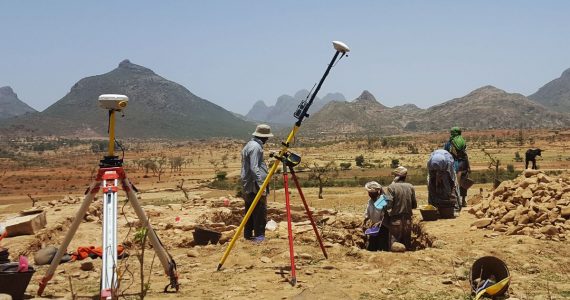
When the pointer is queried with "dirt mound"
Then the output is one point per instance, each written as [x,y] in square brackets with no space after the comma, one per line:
[532,204]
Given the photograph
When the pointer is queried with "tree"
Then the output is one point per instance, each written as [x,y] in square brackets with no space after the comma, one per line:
[359,160]
[322,174]
[160,165]
[494,163]
[176,164]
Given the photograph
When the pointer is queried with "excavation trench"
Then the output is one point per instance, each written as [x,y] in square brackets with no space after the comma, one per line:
[333,226]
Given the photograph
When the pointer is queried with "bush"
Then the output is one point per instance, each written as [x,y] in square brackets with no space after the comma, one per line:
[510,168]
[345,166]
[395,163]
[359,160]
[221,175]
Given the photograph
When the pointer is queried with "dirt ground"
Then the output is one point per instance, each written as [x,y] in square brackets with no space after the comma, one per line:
[540,269]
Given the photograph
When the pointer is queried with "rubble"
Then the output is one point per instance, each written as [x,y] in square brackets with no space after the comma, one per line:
[533,204]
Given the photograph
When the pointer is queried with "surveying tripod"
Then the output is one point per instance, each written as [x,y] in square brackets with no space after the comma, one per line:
[284,156]
[110,174]
[289,160]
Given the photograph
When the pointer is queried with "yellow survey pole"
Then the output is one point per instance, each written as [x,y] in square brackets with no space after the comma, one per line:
[300,114]
[111,132]
[258,195]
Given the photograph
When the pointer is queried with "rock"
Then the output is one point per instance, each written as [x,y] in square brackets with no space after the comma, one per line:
[266,260]
[531,172]
[192,253]
[549,230]
[565,213]
[5,297]
[306,256]
[90,218]
[438,244]
[25,225]
[398,247]
[447,281]
[481,223]
[87,266]
[328,267]
[508,217]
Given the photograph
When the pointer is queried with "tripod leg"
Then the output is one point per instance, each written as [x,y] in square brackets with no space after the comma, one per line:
[309,214]
[289,231]
[249,211]
[90,194]
[167,263]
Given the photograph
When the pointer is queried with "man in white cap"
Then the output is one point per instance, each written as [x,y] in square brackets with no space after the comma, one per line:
[401,200]
[253,174]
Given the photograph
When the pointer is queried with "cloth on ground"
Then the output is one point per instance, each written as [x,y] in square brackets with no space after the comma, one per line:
[94,252]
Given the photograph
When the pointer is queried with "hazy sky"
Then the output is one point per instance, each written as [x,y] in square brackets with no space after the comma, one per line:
[236,52]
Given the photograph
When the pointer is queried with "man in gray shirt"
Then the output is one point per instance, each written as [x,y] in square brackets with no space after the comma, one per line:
[253,173]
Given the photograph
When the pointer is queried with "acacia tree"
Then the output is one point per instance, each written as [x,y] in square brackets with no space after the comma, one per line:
[322,174]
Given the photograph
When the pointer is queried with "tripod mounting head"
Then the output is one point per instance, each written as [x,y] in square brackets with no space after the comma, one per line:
[289,159]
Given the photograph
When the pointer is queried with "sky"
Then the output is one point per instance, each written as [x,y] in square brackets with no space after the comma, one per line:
[234,53]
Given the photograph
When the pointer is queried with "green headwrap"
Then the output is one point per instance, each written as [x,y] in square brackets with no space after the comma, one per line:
[456,139]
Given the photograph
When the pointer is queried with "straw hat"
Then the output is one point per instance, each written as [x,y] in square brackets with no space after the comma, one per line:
[262,130]
[372,186]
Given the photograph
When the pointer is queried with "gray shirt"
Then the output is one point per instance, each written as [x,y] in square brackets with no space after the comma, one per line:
[253,168]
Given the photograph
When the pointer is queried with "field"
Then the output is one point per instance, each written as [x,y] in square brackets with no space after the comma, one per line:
[182,184]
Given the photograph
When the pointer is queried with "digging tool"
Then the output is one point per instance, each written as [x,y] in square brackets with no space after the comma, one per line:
[300,114]
[110,174]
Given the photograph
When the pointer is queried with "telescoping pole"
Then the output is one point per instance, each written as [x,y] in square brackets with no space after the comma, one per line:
[300,114]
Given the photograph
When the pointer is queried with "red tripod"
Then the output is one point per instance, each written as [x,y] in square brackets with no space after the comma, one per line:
[289,161]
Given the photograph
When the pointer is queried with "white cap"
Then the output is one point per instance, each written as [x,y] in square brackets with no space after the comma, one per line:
[372,186]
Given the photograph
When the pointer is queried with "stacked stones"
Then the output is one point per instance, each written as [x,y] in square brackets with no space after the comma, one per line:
[532,204]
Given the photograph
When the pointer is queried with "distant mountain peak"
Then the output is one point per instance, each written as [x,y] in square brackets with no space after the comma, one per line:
[6,90]
[366,96]
[301,94]
[487,90]
[566,74]
[128,65]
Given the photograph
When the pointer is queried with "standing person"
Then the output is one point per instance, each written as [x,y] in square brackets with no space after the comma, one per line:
[378,234]
[401,200]
[442,183]
[253,174]
[458,149]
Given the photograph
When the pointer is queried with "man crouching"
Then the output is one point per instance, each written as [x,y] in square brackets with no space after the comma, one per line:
[378,235]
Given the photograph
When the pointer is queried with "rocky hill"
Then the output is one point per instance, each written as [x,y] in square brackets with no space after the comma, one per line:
[10,105]
[282,112]
[555,95]
[488,108]
[483,108]
[363,115]
[157,108]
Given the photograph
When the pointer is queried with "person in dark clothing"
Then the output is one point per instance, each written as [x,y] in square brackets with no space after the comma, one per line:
[401,200]
[253,174]
[530,156]
[458,149]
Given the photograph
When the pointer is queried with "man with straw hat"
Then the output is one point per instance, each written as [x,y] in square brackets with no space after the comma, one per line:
[401,200]
[253,173]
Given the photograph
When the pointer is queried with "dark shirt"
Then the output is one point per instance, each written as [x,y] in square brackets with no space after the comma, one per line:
[401,199]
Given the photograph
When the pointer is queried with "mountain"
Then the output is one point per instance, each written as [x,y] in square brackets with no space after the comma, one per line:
[157,108]
[282,112]
[363,115]
[10,105]
[488,108]
[483,108]
[555,95]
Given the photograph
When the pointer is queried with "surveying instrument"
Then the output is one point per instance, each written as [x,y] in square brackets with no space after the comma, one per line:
[110,174]
[289,161]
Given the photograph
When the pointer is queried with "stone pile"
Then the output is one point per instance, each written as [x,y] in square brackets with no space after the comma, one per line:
[533,204]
